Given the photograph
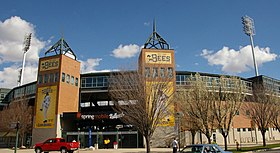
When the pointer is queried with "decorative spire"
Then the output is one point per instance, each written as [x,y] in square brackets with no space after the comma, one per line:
[155,40]
[61,47]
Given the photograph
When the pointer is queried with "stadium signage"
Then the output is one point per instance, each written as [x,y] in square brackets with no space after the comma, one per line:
[157,58]
[49,64]
[100,116]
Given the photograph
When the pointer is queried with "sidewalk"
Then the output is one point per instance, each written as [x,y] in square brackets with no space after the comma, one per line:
[128,150]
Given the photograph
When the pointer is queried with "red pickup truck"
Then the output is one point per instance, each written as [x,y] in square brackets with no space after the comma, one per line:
[56,144]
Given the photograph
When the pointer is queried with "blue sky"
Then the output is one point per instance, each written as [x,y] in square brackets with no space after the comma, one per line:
[207,36]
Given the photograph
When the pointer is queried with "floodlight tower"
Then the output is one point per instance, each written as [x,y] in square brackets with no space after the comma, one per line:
[249,30]
[26,45]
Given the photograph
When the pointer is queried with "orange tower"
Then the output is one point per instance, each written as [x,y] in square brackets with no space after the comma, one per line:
[57,90]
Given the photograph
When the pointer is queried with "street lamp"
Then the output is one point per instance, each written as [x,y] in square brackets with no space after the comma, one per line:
[249,29]
[26,46]
[17,128]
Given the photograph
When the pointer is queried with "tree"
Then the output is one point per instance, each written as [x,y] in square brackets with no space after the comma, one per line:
[190,124]
[263,108]
[276,117]
[18,111]
[228,94]
[145,103]
[196,102]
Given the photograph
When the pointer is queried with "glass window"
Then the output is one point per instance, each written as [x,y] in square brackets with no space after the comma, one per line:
[170,72]
[105,81]
[155,72]
[63,77]
[249,129]
[178,79]
[72,80]
[83,83]
[2,95]
[147,72]
[238,129]
[67,78]
[51,78]
[56,76]
[40,79]
[46,78]
[102,103]
[162,71]
[89,82]
[77,82]
[244,129]
[99,81]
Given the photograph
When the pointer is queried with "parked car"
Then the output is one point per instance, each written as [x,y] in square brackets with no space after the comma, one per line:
[56,144]
[203,148]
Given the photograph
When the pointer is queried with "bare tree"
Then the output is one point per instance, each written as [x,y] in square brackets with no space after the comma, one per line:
[229,94]
[263,109]
[18,111]
[276,117]
[196,102]
[145,102]
[190,124]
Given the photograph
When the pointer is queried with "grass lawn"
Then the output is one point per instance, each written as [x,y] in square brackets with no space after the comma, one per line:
[245,149]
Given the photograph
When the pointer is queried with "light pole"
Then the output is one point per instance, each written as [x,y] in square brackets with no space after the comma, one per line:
[249,29]
[17,128]
[26,46]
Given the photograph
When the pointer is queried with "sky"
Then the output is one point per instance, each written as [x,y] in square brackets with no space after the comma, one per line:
[106,35]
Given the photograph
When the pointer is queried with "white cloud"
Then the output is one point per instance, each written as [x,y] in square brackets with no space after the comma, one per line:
[126,51]
[239,61]
[12,35]
[89,65]
[146,23]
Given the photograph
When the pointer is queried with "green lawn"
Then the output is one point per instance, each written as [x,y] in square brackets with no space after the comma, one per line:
[245,149]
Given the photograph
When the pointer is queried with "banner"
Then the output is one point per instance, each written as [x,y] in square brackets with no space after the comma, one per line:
[164,104]
[46,106]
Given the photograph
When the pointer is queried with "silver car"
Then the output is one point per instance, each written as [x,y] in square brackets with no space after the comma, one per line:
[203,148]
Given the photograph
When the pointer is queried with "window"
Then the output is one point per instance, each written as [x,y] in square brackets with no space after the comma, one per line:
[63,77]
[238,129]
[77,82]
[147,72]
[51,78]
[249,129]
[2,96]
[244,129]
[46,78]
[155,72]
[102,103]
[56,76]
[72,80]
[170,72]
[162,71]
[40,79]
[67,78]
[99,82]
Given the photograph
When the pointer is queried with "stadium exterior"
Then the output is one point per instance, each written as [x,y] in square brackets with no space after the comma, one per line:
[83,109]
